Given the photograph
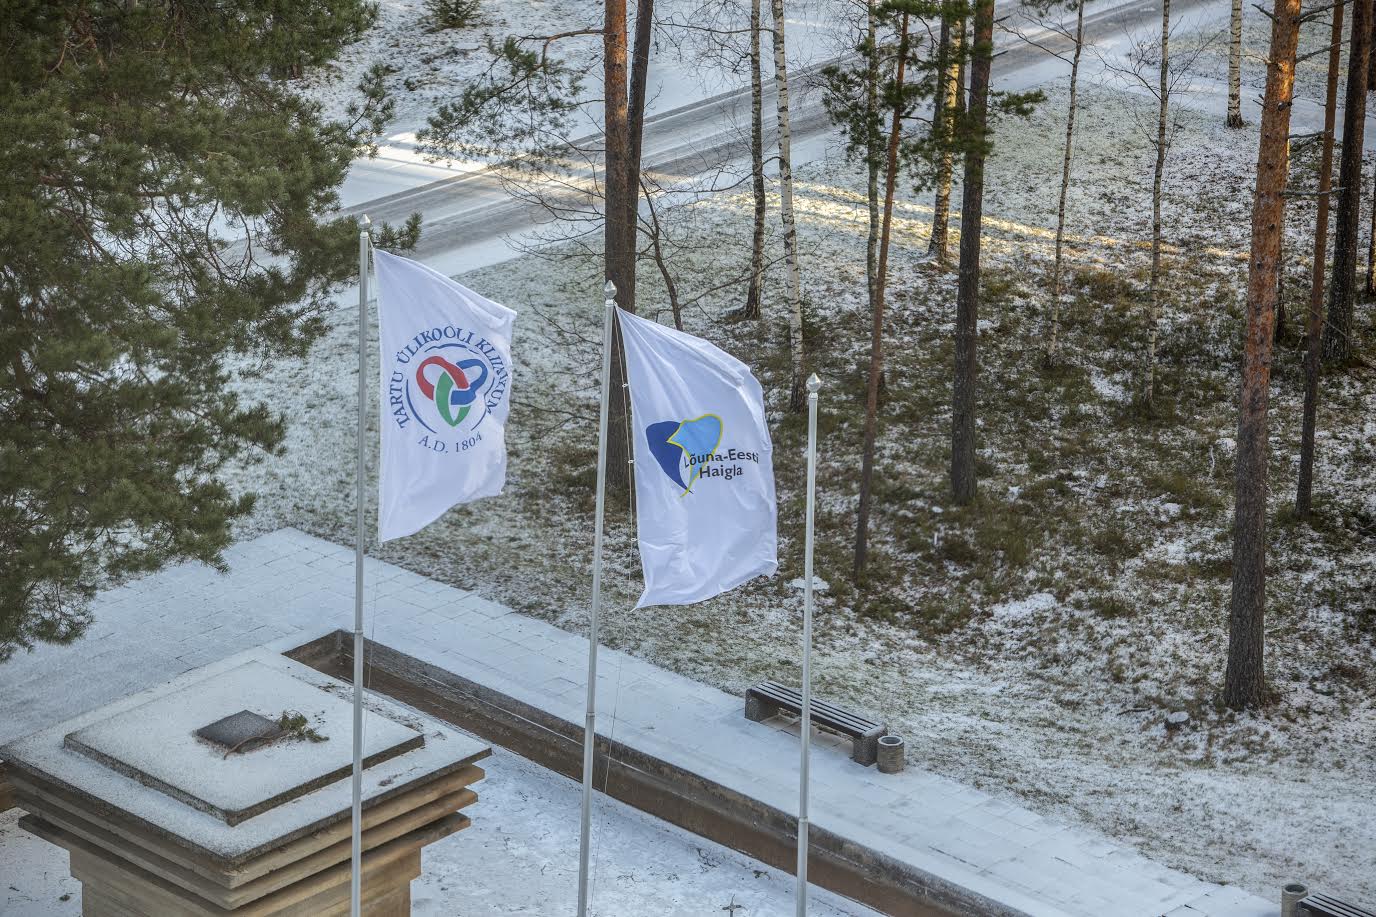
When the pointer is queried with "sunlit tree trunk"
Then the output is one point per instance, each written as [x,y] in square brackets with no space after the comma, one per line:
[1245,681]
[619,226]
[948,109]
[873,155]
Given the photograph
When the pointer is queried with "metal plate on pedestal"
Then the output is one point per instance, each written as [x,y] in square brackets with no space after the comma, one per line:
[161,745]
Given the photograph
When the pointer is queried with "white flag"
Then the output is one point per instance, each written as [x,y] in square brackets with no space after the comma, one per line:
[704,480]
[446,383]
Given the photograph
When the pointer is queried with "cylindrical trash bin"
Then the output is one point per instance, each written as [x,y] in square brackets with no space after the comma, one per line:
[890,754]
[1290,897]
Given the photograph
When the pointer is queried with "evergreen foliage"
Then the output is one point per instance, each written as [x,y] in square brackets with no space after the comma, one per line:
[158,224]
[452,14]
[524,104]
[844,87]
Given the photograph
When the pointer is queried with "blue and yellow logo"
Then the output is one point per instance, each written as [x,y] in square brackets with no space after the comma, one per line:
[683,448]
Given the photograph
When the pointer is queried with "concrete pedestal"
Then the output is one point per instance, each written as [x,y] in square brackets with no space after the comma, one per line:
[161,822]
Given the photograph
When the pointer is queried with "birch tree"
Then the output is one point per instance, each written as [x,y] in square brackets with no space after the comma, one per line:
[755,291]
[790,230]
[1244,680]
[1234,117]
[1042,17]
[1160,71]
[1158,176]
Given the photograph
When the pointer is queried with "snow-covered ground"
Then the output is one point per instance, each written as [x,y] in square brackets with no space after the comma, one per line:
[1031,645]
[520,856]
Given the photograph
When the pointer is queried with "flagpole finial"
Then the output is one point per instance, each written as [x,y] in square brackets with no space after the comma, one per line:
[364,222]
[609,289]
[813,383]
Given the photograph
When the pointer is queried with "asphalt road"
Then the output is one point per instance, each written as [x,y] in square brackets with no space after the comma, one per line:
[476,208]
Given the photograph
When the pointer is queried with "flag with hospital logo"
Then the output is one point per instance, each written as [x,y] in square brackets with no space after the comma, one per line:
[704,482]
[446,386]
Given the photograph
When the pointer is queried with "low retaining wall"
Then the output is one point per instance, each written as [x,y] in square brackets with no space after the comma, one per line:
[6,791]
[662,789]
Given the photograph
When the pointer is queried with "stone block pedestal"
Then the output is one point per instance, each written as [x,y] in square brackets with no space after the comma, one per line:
[160,821]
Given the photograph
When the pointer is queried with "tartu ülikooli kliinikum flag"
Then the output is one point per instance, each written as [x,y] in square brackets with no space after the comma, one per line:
[704,483]
[446,392]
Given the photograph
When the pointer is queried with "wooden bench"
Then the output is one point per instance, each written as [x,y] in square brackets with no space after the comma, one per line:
[767,698]
[1325,906]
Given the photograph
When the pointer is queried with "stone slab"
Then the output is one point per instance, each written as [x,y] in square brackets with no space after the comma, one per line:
[156,744]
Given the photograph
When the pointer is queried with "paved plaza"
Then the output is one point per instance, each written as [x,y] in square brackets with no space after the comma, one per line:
[286,588]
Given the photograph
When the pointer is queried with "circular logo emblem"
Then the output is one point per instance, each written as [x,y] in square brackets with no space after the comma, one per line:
[446,381]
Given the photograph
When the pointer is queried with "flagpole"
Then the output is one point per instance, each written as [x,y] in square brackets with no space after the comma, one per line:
[589,733]
[813,384]
[356,819]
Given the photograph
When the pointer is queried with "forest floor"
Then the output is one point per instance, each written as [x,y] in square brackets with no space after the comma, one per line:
[1032,643]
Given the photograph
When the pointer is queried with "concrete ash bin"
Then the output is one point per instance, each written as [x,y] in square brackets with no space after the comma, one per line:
[891,754]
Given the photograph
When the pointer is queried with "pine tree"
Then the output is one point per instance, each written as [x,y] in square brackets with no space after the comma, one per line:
[1245,684]
[963,391]
[1313,356]
[159,224]
[1342,289]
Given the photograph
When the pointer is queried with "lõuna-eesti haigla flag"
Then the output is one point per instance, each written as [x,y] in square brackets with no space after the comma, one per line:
[704,482]
[446,392]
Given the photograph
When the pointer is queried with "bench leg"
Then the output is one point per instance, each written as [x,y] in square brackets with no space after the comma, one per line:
[757,710]
[864,750]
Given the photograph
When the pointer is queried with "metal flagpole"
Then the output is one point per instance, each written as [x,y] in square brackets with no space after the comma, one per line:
[813,384]
[589,734]
[356,850]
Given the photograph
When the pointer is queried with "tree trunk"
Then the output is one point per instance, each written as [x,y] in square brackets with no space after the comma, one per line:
[1153,334]
[657,252]
[640,75]
[1338,328]
[948,109]
[1371,235]
[873,157]
[1235,67]
[862,524]
[795,292]
[1304,491]
[619,231]
[1065,186]
[755,291]
[967,295]
[1245,683]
